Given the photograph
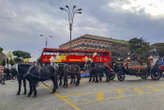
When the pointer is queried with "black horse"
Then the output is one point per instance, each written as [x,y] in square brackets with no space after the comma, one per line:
[13,73]
[62,73]
[119,70]
[66,70]
[75,74]
[10,73]
[37,73]
[21,70]
[97,71]
[7,73]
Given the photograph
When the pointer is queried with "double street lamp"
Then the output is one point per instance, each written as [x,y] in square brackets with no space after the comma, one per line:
[46,39]
[71,11]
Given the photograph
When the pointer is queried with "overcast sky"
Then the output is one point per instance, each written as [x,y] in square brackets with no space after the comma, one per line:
[22,21]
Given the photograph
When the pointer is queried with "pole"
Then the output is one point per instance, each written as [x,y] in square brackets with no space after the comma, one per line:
[71,11]
[70,28]
[70,35]
[46,39]
[46,43]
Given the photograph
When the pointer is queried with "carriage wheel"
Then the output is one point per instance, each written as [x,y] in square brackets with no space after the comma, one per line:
[156,75]
[144,76]
[121,76]
[112,76]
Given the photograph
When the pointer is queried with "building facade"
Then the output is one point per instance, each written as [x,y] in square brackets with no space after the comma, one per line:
[93,42]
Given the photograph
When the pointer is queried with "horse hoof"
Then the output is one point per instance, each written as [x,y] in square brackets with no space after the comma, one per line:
[53,92]
[29,95]
[18,94]
[64,86]
[34,96]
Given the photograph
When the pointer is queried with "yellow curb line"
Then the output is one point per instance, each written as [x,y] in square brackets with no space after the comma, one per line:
[66,101]
[78,94]
[62,98]
[153,88]
[99,96]
[110,98]
[138,90]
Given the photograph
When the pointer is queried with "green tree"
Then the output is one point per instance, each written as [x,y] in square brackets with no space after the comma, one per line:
[3,62]
[22,54]
[160,48]
[18,60]
[138,47]
[1,49]
[2,57]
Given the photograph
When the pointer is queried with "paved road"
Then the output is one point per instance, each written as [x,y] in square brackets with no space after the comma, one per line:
[132,94]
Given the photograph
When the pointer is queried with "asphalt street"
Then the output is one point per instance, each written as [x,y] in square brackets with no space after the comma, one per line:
[131,94]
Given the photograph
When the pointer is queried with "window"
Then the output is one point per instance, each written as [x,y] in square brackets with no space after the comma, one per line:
[105,54]
[88,54]
[46,53]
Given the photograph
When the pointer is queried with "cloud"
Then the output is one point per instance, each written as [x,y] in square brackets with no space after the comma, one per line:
[153,8]
[90,25]
[21,24]
[22,21]
[124,24]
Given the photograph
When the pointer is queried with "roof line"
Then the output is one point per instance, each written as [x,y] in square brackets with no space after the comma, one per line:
[97,38]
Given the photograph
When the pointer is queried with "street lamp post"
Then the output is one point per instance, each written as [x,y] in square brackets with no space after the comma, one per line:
[71,11]
[46,39]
